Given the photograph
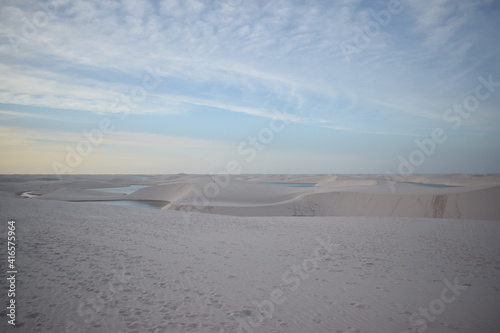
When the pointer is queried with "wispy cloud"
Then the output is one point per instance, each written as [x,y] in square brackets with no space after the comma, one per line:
[250,59]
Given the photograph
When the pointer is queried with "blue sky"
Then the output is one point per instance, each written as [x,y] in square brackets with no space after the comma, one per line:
[225,70]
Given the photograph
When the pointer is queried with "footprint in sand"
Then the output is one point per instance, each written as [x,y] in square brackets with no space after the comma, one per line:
[358,305]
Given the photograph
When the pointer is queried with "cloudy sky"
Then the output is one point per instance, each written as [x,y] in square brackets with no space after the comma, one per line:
[281,86]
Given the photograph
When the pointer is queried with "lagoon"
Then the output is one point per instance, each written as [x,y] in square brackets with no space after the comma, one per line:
[120,190]
[132,203]
[292,184]
[432,185]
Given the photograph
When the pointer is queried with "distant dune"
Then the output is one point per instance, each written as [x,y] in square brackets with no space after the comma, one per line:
[467,197]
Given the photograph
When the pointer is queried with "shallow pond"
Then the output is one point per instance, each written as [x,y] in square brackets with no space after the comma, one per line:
[132,203]
[291,184]
[120,190]
[432,185]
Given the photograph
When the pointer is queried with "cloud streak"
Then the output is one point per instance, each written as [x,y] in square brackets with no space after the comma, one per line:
[250,59]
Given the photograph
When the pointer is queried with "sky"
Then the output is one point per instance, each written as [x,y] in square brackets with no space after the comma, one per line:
[282,86]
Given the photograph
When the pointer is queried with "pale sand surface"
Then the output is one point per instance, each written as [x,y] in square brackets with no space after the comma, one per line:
[87,267]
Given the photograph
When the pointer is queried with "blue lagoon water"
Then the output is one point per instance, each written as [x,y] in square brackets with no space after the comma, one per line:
[120,190]
[291,184]
[129,203]
[432,185]
[132,203]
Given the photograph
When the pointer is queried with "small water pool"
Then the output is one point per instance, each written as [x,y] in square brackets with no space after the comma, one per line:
[432,185]
[132,203]
[120,190]
[292,184]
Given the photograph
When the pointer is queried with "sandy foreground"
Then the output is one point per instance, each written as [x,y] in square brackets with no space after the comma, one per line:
[345,253]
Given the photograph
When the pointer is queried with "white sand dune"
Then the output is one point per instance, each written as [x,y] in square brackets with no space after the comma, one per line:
[382,267]
[331,196]
[97,268]
[347,198]
[476,204]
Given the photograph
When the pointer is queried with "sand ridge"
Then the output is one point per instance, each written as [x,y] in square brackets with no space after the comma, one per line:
[470,197]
